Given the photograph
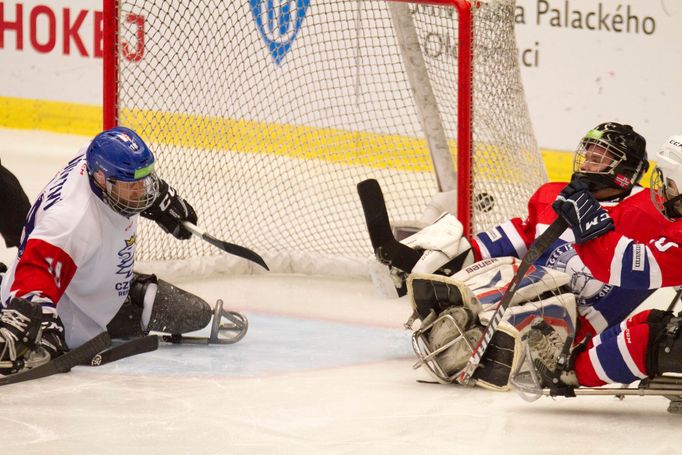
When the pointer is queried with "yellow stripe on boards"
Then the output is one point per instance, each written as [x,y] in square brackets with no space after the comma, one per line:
[302,142]
[59,117]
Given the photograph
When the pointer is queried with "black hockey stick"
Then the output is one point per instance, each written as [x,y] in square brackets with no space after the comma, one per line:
[227,247]
[534,252]
[387,249]
[63,363]
[120,351]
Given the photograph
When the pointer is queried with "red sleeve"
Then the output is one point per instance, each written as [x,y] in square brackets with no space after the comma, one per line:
[43,273]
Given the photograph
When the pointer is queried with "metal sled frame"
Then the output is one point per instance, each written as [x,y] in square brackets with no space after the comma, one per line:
[236,324]
[527,384]
[427,357]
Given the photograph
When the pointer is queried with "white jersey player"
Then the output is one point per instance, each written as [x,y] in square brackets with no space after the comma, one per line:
[77,252]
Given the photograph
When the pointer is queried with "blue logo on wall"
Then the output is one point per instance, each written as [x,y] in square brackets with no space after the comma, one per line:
[279,25]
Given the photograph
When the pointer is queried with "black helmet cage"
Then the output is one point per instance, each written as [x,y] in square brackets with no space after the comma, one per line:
[620,153]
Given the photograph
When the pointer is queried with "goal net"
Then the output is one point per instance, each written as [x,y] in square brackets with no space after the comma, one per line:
[265,114]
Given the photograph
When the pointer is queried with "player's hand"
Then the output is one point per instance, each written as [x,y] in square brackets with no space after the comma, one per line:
[582,212]
[170,210]
[52,338]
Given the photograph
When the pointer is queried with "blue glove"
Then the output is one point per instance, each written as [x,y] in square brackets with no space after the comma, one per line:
[582,212]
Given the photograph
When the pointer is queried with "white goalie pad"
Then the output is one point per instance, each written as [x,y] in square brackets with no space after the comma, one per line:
[444,342]
[448,312]
[441,241]
[431,294]
[491,277]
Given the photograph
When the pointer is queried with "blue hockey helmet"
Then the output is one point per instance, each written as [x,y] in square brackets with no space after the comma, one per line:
[122,167]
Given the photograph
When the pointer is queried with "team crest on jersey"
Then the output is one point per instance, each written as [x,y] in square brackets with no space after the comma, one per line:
[124,266]
[587,288]
[279,24]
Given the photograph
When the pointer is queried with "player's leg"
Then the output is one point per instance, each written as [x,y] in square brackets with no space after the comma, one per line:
[156,305]
[647,344]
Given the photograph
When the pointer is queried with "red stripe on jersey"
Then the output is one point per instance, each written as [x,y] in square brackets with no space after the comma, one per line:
[43,269]
[585,372]
[637,343]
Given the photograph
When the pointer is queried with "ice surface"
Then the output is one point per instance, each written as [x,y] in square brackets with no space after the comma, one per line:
[325,368]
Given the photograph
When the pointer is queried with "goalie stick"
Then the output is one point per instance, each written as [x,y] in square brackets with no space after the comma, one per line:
[227,247]
[63,363]
[120,351]
[536,249]
[387,249]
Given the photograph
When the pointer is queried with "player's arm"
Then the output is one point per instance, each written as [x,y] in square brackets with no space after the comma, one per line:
[511,238]
[43,273]
[619,260]
[41,277]
[169,210]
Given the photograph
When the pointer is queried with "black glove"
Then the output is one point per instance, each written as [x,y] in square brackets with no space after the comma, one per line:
[170,210]
[52,339]
[582,212]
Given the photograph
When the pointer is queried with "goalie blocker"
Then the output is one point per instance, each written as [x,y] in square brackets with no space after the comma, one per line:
[440,248]
[154,305]
[455,310]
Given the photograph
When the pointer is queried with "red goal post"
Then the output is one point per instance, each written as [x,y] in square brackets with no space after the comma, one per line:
[369,87]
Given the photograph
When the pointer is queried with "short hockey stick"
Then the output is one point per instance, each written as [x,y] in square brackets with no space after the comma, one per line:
[534,252]
[63,363]
[227,247]
[120,351]
[387,249]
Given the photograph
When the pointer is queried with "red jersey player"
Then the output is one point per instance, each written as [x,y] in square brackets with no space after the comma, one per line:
[648,343]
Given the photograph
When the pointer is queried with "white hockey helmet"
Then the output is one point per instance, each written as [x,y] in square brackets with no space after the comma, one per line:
[666,179]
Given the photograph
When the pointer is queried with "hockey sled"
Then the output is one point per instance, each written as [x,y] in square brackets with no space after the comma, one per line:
[666,386]
[227,327]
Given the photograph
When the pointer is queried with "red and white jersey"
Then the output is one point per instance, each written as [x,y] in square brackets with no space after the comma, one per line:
[600,304]
[76,255]
[635,263]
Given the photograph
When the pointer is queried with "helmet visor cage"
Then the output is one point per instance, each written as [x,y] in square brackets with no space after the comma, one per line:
[131,198]
[665,195]
[595,156]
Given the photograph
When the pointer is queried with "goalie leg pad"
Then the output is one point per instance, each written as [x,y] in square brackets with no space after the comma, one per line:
[436,293]
[499,359]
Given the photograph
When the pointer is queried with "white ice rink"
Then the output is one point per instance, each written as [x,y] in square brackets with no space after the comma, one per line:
[325,368]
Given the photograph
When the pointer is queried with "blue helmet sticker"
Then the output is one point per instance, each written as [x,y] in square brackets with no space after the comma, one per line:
[279,25]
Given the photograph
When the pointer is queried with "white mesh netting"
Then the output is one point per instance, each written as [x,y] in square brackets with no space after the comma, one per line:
[265,115]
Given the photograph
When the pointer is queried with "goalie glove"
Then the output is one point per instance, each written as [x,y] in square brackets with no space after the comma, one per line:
[169,210]
[444,251]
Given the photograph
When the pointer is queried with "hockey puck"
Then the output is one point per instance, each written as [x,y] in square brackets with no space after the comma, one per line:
[484,202]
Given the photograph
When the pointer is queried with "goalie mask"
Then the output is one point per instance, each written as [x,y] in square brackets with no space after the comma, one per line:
[611,155]
[666,179]
[121,168]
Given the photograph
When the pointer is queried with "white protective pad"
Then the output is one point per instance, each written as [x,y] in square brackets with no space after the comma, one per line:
[441,242]
[490,278]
